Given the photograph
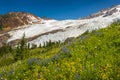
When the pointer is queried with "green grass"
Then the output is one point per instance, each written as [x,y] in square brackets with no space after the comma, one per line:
[91,56]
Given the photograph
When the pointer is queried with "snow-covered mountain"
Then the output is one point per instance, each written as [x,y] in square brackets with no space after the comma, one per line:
[55,30]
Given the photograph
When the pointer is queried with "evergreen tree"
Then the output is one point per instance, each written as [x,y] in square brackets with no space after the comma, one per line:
[21,49]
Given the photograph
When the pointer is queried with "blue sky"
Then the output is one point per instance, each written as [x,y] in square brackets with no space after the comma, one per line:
[57,9]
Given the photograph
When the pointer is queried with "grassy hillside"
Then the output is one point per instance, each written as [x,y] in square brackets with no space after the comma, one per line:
[91,56]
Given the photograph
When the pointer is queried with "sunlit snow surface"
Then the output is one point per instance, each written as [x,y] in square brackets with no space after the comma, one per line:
[71,28]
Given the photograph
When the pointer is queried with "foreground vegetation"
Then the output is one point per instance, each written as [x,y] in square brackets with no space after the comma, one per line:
[91,56]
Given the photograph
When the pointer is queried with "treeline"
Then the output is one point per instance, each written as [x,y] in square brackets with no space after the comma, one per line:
[21,51]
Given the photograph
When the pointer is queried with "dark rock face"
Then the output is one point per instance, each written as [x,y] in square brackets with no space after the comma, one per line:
[15,19]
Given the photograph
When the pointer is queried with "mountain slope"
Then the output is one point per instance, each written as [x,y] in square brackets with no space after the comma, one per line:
[54,30]
[91,56]
[13,21]
[16,19]
[105,12]
[66,28]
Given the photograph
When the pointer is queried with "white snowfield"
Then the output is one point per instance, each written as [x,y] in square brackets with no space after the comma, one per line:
[71,28]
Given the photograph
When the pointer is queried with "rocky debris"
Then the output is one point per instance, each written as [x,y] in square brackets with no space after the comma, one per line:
[15,42]
[3,39]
